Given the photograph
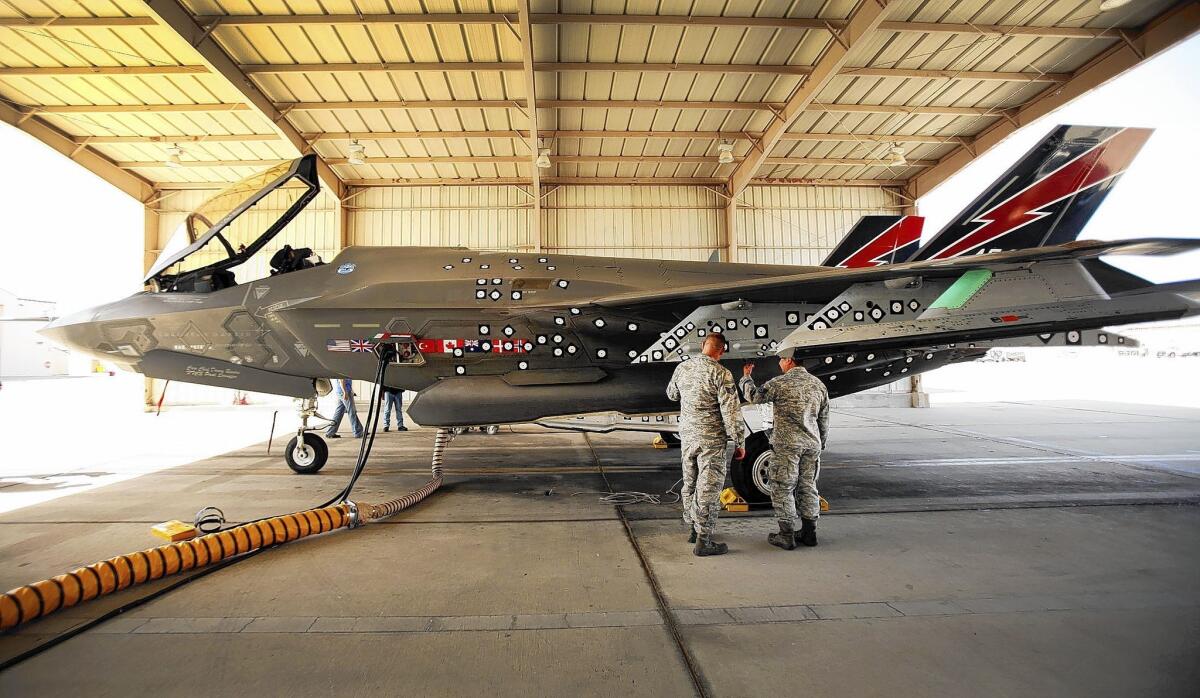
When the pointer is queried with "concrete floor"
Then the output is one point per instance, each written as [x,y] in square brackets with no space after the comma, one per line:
[984,549]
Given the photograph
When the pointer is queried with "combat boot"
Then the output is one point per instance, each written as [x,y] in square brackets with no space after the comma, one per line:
[786,538]
[706,546]
[692,536]
[808,532]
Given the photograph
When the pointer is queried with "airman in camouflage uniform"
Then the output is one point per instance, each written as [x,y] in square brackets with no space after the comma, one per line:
[801,404]
[709,415]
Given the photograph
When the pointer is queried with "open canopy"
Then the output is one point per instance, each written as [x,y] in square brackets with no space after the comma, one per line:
[216,235]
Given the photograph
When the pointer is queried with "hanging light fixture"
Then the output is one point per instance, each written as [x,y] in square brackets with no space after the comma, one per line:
[543,158]
[174,157]
[896,157]
[724,153]
[357,153]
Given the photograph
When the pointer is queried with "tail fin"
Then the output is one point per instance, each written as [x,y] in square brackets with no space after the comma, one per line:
[1046,198]
[876,240]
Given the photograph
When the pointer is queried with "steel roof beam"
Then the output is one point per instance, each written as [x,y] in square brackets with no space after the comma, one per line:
[103,70]
[861,23]
[802,23]
[136,108]
[171,140]
[523,159]
[515,104]
[633,104]
[722,68]
[602,181]
[563,18]
[174,15]
[128,182]
[669,135]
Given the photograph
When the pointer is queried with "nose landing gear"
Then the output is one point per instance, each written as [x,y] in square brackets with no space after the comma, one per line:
[306,453]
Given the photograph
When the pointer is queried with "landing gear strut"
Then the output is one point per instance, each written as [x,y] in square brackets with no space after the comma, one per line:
[306,453]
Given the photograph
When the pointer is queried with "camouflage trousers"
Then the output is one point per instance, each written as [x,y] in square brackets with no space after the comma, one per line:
[793,476]
[704,470]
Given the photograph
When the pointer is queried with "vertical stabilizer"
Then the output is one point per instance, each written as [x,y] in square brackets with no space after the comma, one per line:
[877,240]
[1046,198]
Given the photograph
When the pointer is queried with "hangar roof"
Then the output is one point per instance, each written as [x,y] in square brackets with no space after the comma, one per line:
[468,91]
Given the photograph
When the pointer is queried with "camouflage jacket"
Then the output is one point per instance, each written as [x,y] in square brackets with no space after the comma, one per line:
[709,406]
[801,405]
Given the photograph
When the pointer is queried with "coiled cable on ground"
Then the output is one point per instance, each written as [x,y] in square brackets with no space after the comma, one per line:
[625,498]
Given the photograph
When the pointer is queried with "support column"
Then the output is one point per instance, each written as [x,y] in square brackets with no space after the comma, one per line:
[916,396]
[731,246]
[152,388]
[345,232]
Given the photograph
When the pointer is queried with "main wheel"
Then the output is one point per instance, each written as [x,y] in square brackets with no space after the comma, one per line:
[306,457]
[750,474]
[670,438]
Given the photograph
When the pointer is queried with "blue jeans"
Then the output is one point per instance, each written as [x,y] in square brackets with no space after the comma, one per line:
[345,405]
[390,399]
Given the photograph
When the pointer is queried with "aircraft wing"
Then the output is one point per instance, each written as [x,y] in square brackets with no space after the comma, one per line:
[828,283]
[905,307]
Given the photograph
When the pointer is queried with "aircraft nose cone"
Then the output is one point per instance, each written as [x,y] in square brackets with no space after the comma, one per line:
[75,331]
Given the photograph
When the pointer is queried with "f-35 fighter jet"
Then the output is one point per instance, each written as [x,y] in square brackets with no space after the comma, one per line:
[505,337]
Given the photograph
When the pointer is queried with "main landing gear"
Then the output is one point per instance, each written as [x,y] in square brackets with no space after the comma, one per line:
[750,475]
[306,453]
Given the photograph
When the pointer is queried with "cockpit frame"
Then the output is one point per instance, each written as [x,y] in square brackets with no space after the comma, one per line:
[303,169]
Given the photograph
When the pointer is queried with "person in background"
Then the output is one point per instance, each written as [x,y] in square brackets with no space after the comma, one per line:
[801,404]
[393,397]
[345,395]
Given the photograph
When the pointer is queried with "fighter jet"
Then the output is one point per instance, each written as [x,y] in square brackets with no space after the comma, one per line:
[507,337]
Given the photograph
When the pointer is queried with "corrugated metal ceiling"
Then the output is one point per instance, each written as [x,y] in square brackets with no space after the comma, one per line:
[347,76]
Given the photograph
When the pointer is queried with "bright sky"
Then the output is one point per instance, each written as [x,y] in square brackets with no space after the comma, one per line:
[1155,197]
[70,237]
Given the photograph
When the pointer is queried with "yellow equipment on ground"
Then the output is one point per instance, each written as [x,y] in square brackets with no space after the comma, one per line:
[732,501]
[174,531]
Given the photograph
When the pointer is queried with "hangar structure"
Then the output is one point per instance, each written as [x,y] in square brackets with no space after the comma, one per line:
[754,132]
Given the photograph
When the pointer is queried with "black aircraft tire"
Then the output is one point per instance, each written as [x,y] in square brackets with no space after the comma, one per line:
[741,472]
[308,459]
[670,438]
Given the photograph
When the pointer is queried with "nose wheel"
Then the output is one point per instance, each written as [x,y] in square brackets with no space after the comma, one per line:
[306,456]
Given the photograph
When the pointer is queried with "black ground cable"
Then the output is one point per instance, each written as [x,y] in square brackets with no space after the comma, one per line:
[364,454]
[88,625]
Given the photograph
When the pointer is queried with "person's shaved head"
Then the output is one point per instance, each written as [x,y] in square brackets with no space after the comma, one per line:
[714,345]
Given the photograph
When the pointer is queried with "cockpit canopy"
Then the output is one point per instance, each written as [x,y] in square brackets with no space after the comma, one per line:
[229,228]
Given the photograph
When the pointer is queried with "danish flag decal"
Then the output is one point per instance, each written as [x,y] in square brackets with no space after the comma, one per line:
[1029,207]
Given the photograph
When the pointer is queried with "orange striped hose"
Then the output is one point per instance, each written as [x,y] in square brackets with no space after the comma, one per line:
[39,599]
[31,601]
